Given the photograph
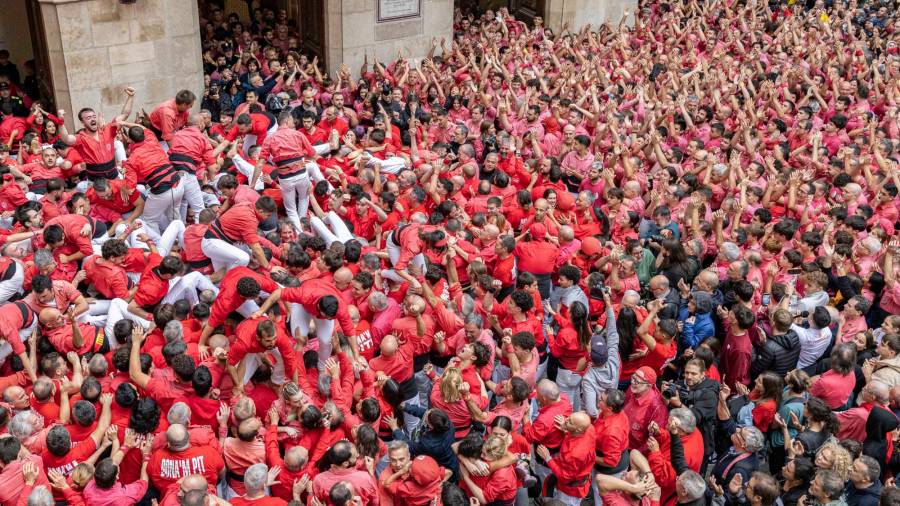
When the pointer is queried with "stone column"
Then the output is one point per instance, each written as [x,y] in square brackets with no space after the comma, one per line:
[581,12]
[98,47]
[352,30]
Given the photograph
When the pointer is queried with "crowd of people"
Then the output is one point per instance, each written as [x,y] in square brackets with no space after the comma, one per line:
[649,263]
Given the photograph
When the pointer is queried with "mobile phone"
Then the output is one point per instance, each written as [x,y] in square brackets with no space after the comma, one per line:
[765,299]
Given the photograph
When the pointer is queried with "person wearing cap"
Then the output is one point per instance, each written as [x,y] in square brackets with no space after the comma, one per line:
[643,404]
[603,370]
[533,253]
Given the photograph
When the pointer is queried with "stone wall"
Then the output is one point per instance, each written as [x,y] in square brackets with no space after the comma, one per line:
[581,12]
[98,47]
[352,30]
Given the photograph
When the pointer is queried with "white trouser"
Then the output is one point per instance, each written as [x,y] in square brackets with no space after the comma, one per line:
[570,383]
[193,196]
[566,499]
[295,192]
[394,255]
[96,313]
[332,229]
[324,329]
[252,363]
[246,168]
[322,149]
[224,254]
[164,145]
[121,154]
[390,165]
[186,287]
[250,139]
[118,310]
[173,233]
[13,285]
[162,209]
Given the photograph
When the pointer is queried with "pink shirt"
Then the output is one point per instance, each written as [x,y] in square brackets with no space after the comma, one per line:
[834,388]
[118,495]
[581,165]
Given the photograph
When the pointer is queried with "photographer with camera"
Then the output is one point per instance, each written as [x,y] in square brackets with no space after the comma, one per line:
[699,394]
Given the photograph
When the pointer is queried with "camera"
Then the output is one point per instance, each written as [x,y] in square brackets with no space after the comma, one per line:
[669,392]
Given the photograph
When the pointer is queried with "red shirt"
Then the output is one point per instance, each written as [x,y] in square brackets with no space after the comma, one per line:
[192,143]
[612,437]
[286,144]
[72,224]
[167,119]
[660,355]
[399,366]
[543,429]
[12,321]
[574,464]
[309,293]
[113,208]
[152,288]
[239,223]
[247,343]
[98,150]
[736,358]
[535,256]
[66,464]
[228,298]
[833,388]
[108,278]
[261,501]
[259,126]
[167,467]
[146,163]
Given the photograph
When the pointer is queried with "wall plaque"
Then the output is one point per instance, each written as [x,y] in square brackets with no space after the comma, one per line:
[393,10]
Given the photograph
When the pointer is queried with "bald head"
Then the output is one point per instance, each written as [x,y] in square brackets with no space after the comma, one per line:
[491,231]
[177,437]
[296,458]
[49,315]
[195,120]
[218,341]
[244,409]
[342,277]
[194,482]
[389,345]
[579,421]
[566,234]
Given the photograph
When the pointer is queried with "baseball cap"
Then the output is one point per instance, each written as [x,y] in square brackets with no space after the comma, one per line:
[425,470]
[648,374]
[599,351]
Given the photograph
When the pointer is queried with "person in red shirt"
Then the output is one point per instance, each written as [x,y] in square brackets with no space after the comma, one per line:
[317,300]
[572,467]
[680,436]
[61,456]
[69,237]
[67,334]
[542,431]
[149,165]
[237,292]
[112,202]
[17,323]
[612,429]
[235,227]
[179,459]
[532,255]
[254,128]
[256,480]
[171,115]
[292,154]
[107,274]
[256,337]
[661,345]
[191,152]
[95,142]
[412,481]
[738,350]
[43,170]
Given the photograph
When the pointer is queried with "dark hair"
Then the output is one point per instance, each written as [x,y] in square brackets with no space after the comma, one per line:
[820,412]
[202,381]
[59,441]
[248,287]
[626,325]
[105,473]
[145,416]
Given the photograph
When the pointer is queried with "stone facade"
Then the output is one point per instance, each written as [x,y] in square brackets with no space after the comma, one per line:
[98,47]
[581,12]
[351,31]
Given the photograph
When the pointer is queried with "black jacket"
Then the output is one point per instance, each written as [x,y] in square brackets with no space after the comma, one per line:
[778,354]
[702,400]
[863,497]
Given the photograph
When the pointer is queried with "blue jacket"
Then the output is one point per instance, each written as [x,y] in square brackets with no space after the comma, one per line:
[694,333]
[436,446]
